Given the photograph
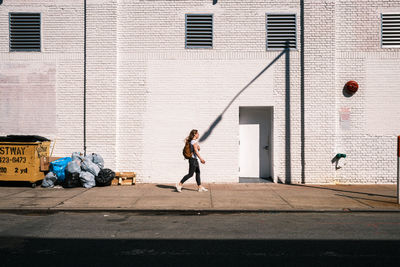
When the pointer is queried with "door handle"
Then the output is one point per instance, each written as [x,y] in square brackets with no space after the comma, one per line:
[266,147]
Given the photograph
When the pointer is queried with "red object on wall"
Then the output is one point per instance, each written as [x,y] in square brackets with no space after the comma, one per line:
[352,86]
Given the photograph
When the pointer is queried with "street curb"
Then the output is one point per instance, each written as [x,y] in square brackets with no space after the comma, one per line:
[188,211]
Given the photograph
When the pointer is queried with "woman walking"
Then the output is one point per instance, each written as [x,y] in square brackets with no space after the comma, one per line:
[193,162]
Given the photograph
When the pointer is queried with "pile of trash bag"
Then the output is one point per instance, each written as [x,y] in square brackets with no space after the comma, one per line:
[78,170]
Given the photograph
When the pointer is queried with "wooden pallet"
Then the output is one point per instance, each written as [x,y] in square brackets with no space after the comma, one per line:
[124,178]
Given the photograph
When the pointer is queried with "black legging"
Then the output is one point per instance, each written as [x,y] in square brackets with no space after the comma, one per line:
[193,167]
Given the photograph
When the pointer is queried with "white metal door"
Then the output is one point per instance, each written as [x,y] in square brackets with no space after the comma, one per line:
[255,124]
[249,153]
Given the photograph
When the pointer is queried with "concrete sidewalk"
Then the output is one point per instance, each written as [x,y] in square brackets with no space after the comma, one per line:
[267,197]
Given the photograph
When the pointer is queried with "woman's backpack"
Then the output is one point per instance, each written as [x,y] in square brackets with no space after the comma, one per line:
[187,153]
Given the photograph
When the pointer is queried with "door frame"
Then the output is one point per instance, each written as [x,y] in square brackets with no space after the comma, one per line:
[270,114]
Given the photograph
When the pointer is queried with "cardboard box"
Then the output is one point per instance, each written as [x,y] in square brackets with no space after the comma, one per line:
[45,163]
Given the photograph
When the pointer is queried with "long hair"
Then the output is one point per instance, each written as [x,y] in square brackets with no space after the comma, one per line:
[191,135]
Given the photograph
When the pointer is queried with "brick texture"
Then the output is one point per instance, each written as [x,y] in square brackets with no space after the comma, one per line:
[145,91]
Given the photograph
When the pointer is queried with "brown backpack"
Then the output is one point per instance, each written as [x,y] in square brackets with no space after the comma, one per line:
[187,153]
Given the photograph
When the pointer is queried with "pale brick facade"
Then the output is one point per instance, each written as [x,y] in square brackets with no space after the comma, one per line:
[145,91]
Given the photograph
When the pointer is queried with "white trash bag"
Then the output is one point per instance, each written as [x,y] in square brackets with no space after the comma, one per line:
[87,179]
[74,166]
[77,156]
[49,180]
[89,166]
[98,160]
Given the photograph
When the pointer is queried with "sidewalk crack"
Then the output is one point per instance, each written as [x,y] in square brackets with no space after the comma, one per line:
[287,202]
[13,194]
[140,197]
[211,199]
[62,202]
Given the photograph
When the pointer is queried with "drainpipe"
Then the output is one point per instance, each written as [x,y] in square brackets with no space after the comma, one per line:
[302,120]
[398,169]
[84,77]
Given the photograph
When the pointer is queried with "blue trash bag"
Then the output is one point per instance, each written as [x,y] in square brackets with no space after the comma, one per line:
[58,167]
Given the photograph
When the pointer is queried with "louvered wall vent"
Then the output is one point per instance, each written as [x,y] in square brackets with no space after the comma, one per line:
[390,30]
[281,29]
[24,31]
[199,30]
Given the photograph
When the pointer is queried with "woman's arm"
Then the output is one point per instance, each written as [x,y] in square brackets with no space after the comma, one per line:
[196,150]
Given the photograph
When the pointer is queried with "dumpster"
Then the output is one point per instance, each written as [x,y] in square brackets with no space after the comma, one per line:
[20,157]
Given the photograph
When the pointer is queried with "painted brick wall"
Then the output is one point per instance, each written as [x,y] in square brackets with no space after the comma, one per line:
[333,29]
[62,51]
[166,90]
[62,47]
[319,54]
[370,140]
[102,58]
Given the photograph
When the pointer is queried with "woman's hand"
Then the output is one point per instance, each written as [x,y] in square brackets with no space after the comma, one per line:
[196,148]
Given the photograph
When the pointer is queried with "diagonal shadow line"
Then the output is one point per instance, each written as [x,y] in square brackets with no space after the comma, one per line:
[173,187]
[363,198]
[74,196]
[255,78]
[355,199]
[344,191]
[219,118]
[162,186]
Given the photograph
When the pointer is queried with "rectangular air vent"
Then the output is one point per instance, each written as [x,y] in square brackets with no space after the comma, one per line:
[24,31]
[391,30]
[199,31]
[281,31]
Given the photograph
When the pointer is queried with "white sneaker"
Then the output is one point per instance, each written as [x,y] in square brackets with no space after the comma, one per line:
[178,187]
[203,189]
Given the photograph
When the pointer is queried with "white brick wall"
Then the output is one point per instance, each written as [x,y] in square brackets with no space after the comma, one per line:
[319,90]
[102,58]
[62,49]
[164,77]
[145,91]
[369,144]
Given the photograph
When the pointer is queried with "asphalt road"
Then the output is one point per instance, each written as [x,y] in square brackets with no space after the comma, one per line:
[247,239]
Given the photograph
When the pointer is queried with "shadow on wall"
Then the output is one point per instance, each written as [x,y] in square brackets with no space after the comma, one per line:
[346,93]
[285,52]
[219,118]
